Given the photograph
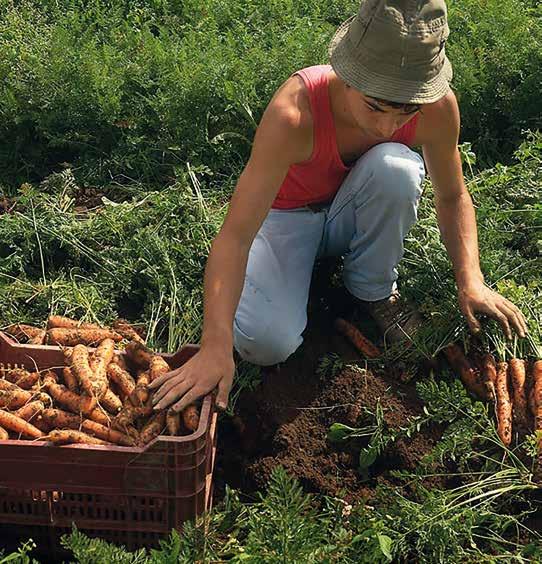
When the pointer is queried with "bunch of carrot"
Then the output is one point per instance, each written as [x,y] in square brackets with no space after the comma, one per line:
[515,387]
[98,397]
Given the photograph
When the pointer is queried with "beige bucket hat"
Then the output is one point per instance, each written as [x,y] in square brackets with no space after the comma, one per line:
[394,50]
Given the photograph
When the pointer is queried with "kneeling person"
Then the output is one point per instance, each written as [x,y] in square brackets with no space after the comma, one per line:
[332,173]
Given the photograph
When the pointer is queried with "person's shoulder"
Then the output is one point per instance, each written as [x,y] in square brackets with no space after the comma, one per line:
[291,104]
[287,120]
[444,108]
[439,121]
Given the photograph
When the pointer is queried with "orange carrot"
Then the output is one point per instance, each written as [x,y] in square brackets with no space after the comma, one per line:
[23,332]
[100,416]
[157,367]
[13,397]
[519,399]
[489,375]
[140,395]
[40,424]
[72,337]
[39,339]
[138,354]
[153,428]
[120,360]
[16,424]
[537,396]
[44,397]
[111,402]
[70,380]
[74,402]
[21,377]
[469,375]
[173,422]
[69,436]
[191,418]
[121,378]
[85,376]
[48,377]
[504,405]
[532,403]
[61,322]
[106,434]
[99,363]
[142,389]
[127,330]
[30,410]
[128,416]
[4,435]
[57,418]
[362,344]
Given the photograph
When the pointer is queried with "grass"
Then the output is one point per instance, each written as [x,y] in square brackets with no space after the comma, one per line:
[141,258]
[136,90]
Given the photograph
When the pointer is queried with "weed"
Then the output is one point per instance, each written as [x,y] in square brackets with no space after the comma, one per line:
[330,365]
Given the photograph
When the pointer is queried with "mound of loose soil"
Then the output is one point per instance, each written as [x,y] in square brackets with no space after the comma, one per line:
[285,421]
[302,447]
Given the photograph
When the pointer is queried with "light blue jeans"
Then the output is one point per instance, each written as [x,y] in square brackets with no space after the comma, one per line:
[366,224]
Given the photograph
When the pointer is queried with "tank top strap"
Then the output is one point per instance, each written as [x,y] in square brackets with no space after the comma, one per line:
[317,84]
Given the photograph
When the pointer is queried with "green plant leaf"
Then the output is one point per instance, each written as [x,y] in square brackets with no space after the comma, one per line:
[385,545]
[367,457]
[339,432]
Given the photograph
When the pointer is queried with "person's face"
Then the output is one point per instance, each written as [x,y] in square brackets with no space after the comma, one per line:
[376,118]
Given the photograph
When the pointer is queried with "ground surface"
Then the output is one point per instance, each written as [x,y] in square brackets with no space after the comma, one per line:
[286,419]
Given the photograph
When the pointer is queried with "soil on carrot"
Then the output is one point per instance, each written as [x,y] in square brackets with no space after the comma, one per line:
[286,420]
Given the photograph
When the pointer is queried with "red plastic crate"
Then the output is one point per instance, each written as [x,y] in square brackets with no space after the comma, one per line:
[125,495]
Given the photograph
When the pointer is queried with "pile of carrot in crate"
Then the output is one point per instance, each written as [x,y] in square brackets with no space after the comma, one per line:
[98,397]
[514,386]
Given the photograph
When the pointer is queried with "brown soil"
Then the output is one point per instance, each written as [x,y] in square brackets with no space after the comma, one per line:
[285,422]
[6,205]
[87,199]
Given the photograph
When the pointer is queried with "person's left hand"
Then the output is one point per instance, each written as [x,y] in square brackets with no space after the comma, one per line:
[478,298]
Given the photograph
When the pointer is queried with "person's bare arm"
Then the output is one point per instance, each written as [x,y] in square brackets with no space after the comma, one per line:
[457,221]
[256,189]
[281,140]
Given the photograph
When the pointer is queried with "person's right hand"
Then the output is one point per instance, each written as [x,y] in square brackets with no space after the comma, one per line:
[207,369]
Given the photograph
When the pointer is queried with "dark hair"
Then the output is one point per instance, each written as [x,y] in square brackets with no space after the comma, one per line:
[397,105]
[407,108]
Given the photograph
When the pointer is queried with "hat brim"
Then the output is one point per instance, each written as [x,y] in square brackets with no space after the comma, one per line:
[383,86]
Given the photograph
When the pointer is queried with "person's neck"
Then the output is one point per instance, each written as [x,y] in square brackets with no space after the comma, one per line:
[337,100]
[339,106]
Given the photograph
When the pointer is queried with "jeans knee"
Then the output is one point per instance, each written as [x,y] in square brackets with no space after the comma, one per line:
[264,346]
[399,172]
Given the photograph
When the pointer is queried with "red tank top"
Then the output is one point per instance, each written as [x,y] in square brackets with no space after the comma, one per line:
[318,179]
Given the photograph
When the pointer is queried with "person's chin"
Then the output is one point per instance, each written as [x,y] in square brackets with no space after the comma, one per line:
[377,137]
